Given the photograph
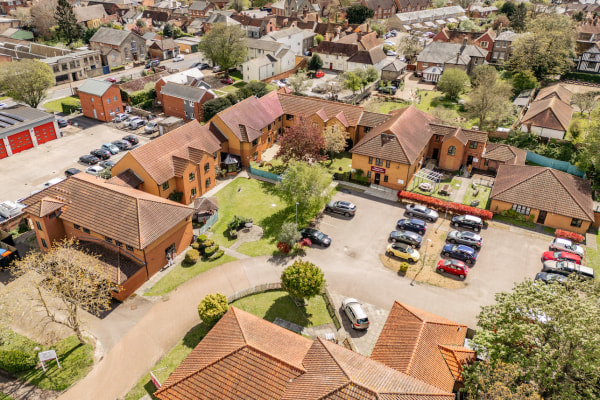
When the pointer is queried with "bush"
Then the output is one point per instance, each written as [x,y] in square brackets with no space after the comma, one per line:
[404,267]
[196,246]
[209,251]
[218,254]
[191,257]
[302,280]
[283,247]
[201,238]
[581,76]
[439,204]
[117,68]
[69,106]
[289,234]
[305,242]
[207,243]
[575,237]
[17,360]
[212,308]
[236,223]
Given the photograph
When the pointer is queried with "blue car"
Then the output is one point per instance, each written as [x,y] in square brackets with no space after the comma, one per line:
[413,225]
[460,252]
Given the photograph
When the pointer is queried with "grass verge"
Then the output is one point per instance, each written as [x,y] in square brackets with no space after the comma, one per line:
[483,196]
[514,221]
[341,160]
[56,105]
[593,256]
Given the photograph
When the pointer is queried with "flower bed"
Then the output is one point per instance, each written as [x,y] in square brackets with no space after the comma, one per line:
[441,205]
[575,237]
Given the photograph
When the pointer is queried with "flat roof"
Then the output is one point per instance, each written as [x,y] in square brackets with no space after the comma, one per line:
[19,118]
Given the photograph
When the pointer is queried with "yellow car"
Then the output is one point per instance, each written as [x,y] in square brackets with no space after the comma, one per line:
[404,251]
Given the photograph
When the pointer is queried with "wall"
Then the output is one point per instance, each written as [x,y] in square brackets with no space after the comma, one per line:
[129,162]
[395,172]
[448,162]
[544,132]
[181,235]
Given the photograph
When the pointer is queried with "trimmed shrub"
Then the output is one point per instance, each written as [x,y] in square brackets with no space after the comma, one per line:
[209,251]
[195,246]
[439,204]
[404,267]
[201,238]
[575,237]
[283,247]
[212,308]
[119,68]
[191,257]
[17,360]
[218,254]
[207,243]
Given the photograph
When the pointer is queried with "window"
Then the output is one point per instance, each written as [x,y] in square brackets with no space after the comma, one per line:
[128,247]
[119,243]
[269,127]
[115,98]
[107,239]
[86,230]
[206,167]
[39,226]
[378,161]
[315,125]
[484,45]
[44,243]
[370,160]
[117,109]
[92,99]
[486,162]
[387,164]
[576,222]
[193,192]
[437,138]
[77,227]
[473,145]
[369,174]
[367,129]
[385,178]
[207,182]
[451,150]
[521,209]
[192,176]
[425,65]
[165,185]
[254,142]
[108,101]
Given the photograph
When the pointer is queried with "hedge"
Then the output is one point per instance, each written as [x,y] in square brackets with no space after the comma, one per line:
[17,360]
[142,96]
[191,257]
[70,105]
[575,237]
[439,204]
[581,76]
[209,251]
[201,238]
[119,68]
[218,254]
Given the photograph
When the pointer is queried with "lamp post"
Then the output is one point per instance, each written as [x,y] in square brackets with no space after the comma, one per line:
[412,283]
[297,213]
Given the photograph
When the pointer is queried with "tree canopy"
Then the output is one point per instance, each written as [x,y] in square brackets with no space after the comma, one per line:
[302,141]
[302,280]
[315,63]
[225,46]
[67,28]
[357,14]
[212,307]
[305,184]
[214,106]
[26,81]
[453,82]
[490,97]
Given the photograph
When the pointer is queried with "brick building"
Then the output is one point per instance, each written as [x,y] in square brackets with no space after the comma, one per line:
[100,100]
[185,101]
[484,40]
[23,127]
[132,241]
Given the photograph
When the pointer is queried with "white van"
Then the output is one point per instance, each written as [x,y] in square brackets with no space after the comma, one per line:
[53,182]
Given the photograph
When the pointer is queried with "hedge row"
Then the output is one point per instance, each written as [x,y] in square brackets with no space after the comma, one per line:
[575,237]
[582,76]
[439,204]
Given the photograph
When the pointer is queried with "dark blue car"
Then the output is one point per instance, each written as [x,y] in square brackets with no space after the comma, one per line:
[460,252]
[413,225]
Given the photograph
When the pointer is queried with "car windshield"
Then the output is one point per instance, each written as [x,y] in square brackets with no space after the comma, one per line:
[409,250]
[362,320]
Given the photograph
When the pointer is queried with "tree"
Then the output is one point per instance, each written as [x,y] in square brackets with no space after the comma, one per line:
[318,39]
[302,141]
[335,139]
[42,17]
[351,81]
[212,307]
[68,28]
[547,49]
[302,280]
[214,106]
[167,30]
[315,63]
[509,8]
[66,280]
[23,14]
[518,18]
[26,81]
[410,46]
[88,34]
[439,3]
[225,46]
[237,5]
[309,185]
[550,333]
[523,80]
[500,22]
[253,88]
[579,16]
[358,14]
[486,381]
[490,97]
[140,23]
[289,234]
[368,75]
[453,82]
[468,25]
[298,82]
[586,102]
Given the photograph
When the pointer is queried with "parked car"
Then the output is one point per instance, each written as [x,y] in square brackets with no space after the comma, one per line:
[51,182]
[122,144]
[71,172]
[108,164]
[389,43]
[393,32]
[413,225]
[549,277]
[567,268]
[132,139]
[152,63]
[151,126]
[388,89]
[407,237]
[227,81]
[111,80]
[128,120]
[341,207]
[467,221]
[89,159]
[319,74]
[468,238]
[355,313]
[285,81]
[110,147]
[102,154]
[203,66]
[120,117]
[319,89]
[419,211]
[137,123]
[561,256]
[94,170]
[279,84]
[316,236]
[391,53]
[62,123]
[403,251]
[178,57]
[460,252]
[216,68]
[453,267]
[559,244]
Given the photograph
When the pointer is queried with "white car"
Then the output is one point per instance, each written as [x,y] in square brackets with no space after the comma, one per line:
[151,126]
[120,117]
[391,53]
[559,244]
[389,43]
[178,58]
[216,68]
[94,170]
[128,121]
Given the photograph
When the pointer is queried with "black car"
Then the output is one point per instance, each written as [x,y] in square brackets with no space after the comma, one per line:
[101,154]
[549,277]
[407,237]
[467,221]
[316,237]
[469,238]
[108,164]
[388,89]
[71,172]
[460,252]
[202,66]
[152,63]
[413,225]
[61,122]
[89,159]
[122,144]
[131,139]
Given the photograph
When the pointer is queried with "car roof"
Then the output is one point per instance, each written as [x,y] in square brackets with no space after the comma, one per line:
[472,218]
[462,247]
[470,234]
[561,240]
[417,221]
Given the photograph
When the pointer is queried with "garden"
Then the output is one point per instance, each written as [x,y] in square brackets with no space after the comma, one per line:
[70,102]
[340,162]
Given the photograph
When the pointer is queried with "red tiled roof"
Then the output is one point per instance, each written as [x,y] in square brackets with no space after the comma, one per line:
[546,189]
[297,105]
[461,134]
[550,112]
[557,90]
[505,153]
[410,342]
[252,113]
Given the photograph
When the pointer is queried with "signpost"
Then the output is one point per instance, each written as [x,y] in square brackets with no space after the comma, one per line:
[48,356]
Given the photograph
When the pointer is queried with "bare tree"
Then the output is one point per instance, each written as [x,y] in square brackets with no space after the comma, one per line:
[71,280]
[299,81]
[586,102]
[335,139]
[42,17]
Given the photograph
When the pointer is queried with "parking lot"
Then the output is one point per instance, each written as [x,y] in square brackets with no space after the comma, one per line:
[27,171]
[353,263]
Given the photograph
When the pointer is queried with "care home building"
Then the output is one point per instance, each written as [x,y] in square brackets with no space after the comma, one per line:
[133,244]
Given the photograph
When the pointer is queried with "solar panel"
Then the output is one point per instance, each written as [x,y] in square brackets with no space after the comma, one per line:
[12,116]
[8,121]
[3,125]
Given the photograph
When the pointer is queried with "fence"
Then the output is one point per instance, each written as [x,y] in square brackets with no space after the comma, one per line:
[253,290]
[556,164]
[209,222]
[265,174]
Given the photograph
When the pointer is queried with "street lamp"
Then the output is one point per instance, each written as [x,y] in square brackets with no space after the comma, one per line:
[412,283]
[297,213]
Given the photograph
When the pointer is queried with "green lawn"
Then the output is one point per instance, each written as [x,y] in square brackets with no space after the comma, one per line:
[228,89]
[181,274]
[5,397]
[3,97]
[483,196]
[239,84]
[429,100]
[414,187]
[341,160]
[55,105]
[514,221]
[267,305]
[384,107]
[236,75]
[593,256]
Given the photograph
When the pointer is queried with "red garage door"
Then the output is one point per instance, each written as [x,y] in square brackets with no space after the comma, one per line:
[20,141]
[45,133]
[3,152]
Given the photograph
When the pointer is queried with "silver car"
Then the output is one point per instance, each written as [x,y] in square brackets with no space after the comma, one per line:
[419,211]
[355,313]
[559,244]
[469,238]
[567,268]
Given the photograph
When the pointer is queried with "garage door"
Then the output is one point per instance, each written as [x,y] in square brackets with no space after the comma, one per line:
[3,152]
[20,141]
[45,133]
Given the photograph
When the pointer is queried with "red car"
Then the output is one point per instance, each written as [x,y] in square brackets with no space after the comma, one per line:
[453,267]
[112,80]
[227,81]
[319,74]
[561,256]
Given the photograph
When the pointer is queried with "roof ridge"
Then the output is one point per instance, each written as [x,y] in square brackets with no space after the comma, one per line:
[321,342]
[523,180]
[266,353]
[239,324]
[559,179]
